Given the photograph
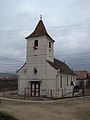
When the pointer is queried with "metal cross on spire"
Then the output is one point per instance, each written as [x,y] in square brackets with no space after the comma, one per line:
[41,17]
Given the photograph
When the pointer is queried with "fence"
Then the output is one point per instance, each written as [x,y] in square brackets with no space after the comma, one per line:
[56,93]
[52,94]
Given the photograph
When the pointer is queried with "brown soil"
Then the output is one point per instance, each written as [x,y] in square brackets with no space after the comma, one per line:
[69,109]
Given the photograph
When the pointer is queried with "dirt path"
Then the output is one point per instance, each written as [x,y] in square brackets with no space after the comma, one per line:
[73,109]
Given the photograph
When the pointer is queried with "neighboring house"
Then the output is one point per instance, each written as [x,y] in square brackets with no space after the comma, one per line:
[42,72]
[88,80]
[81,78]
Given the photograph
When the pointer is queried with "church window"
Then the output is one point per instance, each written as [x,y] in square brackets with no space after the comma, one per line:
[49,44]
[67,80]
[60,81]
[36,43]
[35,70]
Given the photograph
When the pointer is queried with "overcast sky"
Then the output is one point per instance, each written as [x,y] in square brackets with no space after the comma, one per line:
[67,21]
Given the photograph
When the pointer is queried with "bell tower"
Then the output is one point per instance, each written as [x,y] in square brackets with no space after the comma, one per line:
[40,46]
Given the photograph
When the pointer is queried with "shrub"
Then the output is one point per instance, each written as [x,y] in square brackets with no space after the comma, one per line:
[5,116]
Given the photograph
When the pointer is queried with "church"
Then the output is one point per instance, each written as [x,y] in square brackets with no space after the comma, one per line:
[42,73]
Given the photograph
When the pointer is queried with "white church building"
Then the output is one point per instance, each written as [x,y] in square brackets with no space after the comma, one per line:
[42,74]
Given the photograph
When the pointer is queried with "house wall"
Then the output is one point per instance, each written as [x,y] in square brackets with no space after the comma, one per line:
[64,80]
[51,76]
[66,88]
[41,53]
[49,82]
[22,79]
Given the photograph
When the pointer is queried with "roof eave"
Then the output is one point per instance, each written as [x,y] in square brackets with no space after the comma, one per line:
[20,68]
[39,36]
[55,67]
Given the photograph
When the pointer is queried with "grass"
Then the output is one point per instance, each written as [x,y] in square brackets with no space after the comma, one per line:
[87,91]
[5,116]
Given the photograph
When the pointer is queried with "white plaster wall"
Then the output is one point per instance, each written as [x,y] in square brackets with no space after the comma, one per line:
[51,77]
[40,75]
[42,52]
[22,79]
[66,89]
[49,51]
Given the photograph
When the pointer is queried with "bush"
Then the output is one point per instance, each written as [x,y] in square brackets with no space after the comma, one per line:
[76,88]
[81,83]
[5,116]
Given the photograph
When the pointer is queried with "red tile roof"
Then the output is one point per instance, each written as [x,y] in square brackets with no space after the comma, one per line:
[40,30]
[81,75]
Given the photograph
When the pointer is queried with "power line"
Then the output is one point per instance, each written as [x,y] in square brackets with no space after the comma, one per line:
[67,57]
[71,26]
[68,27]
[4,66]
[10,59]
[75,54]
[15,67]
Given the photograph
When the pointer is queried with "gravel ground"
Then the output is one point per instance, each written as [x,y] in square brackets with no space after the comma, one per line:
[67,109]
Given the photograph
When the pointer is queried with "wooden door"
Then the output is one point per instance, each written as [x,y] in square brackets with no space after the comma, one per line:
[35,89]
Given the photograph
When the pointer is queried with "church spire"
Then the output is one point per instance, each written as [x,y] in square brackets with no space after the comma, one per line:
[40,30]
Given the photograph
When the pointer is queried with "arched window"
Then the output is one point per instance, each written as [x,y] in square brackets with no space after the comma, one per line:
[36,43]
[67,80]
[49,44]
[60,81]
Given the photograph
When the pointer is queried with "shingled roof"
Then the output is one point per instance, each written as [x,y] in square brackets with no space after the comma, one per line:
[40,30]
[57,64]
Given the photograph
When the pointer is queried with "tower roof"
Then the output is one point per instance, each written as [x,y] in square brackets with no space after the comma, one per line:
[40,30]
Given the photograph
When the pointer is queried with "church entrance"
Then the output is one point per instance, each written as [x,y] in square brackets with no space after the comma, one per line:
[35,89]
